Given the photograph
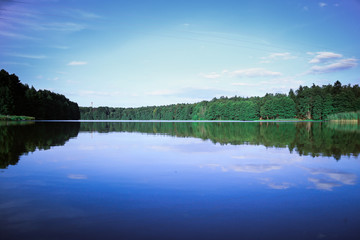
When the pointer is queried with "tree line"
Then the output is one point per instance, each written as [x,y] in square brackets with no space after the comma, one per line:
[313,102]
[19,99]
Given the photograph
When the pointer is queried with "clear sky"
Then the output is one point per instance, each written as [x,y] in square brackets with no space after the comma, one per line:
[156,52]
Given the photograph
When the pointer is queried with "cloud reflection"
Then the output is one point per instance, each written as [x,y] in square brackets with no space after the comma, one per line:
[255,168]
[77,176]
[329,178]
[323,185]
[279,186]
[248,168]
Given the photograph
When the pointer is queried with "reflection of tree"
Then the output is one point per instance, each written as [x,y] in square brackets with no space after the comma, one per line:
[314,139]
[16,139]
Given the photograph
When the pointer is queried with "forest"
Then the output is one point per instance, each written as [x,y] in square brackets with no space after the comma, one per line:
[19,99]
[305,103]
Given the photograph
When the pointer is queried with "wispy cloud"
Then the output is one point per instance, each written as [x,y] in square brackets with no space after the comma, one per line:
[282,56]
[322,4]
[164,92]
[30,56]
[212,75]
[255,72]
[16,35]
[76,63]
[77,13]
[59,26]
[16,63]
[322,57]
[199,93]
[342,64]
[245,84]
[99,93]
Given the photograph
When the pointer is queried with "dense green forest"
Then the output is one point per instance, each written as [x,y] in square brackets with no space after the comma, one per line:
[313,102]
[19,99]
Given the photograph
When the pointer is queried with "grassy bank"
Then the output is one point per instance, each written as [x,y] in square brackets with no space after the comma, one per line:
[345,117]
[15,118]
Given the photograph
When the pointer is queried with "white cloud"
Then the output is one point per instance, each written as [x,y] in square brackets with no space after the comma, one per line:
[245,84]
[324,57]
[27,56]
[15,35]
[255,72]
[342,64]
[82,14]
[76,63]
[284,56]
[15,63]
[164,92]
[322,4]
[59,26]
[212,75]
[98,93]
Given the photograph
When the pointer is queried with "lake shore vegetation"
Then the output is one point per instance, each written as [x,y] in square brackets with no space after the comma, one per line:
[15,118]
[345,116]
[305,103]
[19,99]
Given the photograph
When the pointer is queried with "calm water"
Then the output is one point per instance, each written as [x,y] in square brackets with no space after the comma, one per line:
[163,180]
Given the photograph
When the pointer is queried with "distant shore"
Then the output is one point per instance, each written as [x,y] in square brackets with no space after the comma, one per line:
[15,118]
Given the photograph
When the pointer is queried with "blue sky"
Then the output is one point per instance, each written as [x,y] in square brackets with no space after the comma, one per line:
[140,53]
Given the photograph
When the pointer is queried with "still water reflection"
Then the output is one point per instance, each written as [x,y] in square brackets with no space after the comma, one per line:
[166,180]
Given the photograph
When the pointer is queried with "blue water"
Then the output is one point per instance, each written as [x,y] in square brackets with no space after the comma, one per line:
[133,185]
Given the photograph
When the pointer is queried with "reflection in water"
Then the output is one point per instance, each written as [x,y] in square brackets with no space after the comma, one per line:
[327,179]
[18,138]
[314,139]
[245,181]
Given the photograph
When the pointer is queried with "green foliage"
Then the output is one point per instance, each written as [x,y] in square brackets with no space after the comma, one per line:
[19,99]
[15,118]
[279,106]
[345,116]
[306,103]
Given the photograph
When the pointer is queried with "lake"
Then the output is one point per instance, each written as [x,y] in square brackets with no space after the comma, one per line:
[179,180]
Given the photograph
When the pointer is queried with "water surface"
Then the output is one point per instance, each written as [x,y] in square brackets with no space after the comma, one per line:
[166,180]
